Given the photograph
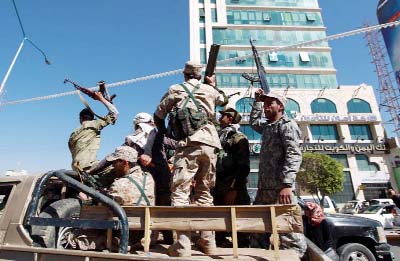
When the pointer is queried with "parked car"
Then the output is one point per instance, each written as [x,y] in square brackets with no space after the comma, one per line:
[352,207]
[379,201]
[357,238]
[329,204]
[387,214]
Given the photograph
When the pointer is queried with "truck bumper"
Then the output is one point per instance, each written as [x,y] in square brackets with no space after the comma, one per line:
[383,252]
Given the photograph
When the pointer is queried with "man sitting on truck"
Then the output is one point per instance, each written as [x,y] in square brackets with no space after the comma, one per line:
[132,187]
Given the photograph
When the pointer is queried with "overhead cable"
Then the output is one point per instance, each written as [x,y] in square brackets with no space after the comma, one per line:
[178,71]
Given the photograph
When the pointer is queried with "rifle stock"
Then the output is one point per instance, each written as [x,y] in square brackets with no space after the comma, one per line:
[212,60]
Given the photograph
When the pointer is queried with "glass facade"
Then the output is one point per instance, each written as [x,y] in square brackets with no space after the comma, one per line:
[289,3]
[202,35]
[298,81]
[360,132]
[348,190]
[291,108]
[323,132]
[358,106]
[363,163]
[281,59]
[244,105]
[342,158]
[323,106]
[274,18]
[265,37]
[249,132]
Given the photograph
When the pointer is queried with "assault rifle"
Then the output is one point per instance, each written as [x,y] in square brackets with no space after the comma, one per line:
[90,181]
[260,77]
[90,93]
[212,60]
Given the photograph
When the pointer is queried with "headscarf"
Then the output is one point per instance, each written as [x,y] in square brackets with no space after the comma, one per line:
[143,124]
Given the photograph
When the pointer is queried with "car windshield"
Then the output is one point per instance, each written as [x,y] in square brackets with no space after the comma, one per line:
[372,210]
[350,205]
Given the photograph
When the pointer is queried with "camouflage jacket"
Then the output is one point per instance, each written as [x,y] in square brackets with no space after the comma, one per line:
[84,142]
[280,155]
[126,193]
[206,96]
[233,164]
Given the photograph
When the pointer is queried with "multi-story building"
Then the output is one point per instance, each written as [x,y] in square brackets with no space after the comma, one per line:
[342,121]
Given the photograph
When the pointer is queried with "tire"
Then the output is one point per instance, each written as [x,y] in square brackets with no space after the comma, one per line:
[354,251]
[46,236]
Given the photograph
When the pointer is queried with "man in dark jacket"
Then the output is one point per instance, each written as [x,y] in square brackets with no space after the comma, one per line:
[233,167]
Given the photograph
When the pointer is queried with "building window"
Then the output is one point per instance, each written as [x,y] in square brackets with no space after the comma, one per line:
[250,133]
[203,55]
[244,105]
[292,108]
[273,57]
[304,57]
[358,106]
[360,132]
[322,105]
[254,161]
[202,15]
[342,158]
[363,163]
[214,15]
[323,132]
[202,35]
[252,180]
[311,17]
[266,17]
[348,190]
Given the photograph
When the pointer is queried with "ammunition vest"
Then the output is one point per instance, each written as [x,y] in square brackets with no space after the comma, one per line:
[184,122]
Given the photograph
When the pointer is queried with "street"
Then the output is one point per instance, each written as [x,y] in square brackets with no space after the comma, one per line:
[395,249]
[393,237]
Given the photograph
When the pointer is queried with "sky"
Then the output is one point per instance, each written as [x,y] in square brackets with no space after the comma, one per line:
[117,40]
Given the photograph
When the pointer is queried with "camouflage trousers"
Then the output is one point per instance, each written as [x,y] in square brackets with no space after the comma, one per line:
[296,241]
[195,162]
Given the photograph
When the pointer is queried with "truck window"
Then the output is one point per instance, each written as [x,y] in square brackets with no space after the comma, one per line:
[5,191]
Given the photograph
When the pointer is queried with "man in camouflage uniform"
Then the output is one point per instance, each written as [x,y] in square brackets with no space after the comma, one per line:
[132,187]
[280,160]
[84,142]
[233,167]
[195,155]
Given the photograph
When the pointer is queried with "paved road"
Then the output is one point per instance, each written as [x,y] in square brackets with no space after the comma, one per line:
[395,249]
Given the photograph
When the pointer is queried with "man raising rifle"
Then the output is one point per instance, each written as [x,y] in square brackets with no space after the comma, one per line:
[84,141]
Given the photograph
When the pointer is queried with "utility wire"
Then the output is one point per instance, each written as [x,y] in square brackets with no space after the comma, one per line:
[165,74]
[3,83]
[19,19]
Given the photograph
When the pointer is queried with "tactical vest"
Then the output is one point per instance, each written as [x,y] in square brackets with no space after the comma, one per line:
[225,160]
[184,122]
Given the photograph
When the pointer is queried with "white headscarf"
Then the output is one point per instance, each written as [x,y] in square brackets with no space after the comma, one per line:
[143,124]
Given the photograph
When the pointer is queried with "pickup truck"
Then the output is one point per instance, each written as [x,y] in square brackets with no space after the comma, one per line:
[358,238]
[36,211]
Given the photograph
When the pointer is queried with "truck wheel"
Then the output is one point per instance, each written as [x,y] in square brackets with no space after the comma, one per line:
[354,251]
[46,236]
